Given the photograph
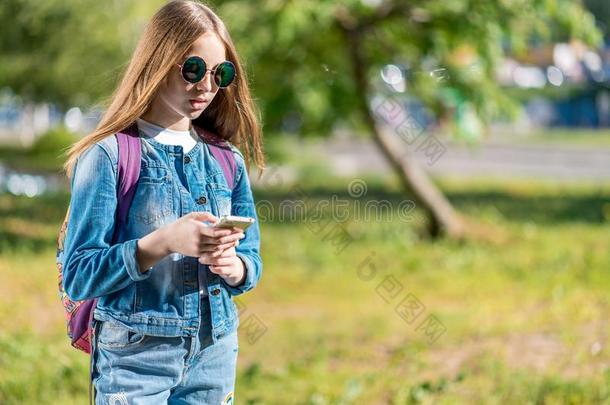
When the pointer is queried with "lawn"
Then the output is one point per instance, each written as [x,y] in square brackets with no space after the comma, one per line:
[520,311]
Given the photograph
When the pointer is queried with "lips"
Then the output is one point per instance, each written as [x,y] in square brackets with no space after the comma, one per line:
[198,103]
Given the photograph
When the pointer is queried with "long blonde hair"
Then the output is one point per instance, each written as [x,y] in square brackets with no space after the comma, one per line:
[167,38]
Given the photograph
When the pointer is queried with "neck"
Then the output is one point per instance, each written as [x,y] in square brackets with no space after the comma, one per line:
[164,118]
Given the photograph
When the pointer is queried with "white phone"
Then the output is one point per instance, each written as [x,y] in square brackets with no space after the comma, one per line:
[230,221]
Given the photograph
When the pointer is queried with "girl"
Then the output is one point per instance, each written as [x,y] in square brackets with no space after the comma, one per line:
[165,322]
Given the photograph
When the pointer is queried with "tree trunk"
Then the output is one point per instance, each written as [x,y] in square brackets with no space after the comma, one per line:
[443,219]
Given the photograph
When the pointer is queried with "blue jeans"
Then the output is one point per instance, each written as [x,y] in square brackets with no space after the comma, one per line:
[135,369]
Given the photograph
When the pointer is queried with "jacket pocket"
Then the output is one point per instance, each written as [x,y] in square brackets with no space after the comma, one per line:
[222,198]
[152,200]
[113,335]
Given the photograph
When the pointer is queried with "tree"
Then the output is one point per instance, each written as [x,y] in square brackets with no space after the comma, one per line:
[313,62]
[69,52]
[318,61]
[601,11]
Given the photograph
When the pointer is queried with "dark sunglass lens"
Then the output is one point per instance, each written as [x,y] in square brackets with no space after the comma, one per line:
[193,69]
[225,73]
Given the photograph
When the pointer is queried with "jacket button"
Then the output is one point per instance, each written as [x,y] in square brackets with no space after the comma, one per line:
[215,291]
[187,159]
[202,200]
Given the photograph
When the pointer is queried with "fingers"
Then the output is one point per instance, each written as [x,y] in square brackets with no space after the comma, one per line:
[208,248]
[203,216]
[222,239]
[222,250]
[220,270]
[221,261]
[225,258]
[215,250]
[227,250]
[232,238]
[215,242]
[216,232]
[225,246]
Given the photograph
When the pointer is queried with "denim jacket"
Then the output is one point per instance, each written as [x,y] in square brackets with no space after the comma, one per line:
[165,299]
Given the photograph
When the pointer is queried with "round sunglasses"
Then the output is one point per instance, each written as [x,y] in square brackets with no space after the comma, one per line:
[194,68]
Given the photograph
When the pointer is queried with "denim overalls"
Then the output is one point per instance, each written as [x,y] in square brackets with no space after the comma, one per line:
[157,335]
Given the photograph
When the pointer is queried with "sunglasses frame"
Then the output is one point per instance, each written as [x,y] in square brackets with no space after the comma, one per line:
[212,71]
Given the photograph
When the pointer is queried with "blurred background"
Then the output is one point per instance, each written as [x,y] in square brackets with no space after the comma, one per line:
[434,212]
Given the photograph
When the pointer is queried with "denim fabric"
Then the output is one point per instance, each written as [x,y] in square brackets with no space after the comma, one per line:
[136,369]
[165,299]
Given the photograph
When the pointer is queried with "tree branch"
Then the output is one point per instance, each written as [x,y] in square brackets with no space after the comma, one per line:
[385,12]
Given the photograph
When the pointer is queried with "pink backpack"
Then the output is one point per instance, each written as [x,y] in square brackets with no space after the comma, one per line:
[79,314]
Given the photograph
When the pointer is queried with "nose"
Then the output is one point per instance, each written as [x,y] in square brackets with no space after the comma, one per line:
[206,83]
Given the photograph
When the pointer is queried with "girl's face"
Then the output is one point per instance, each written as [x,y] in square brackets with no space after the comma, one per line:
[183,101]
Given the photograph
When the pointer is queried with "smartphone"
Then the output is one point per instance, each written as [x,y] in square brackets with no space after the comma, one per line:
[230,221]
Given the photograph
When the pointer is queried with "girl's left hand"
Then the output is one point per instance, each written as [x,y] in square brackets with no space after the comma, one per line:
[226,264]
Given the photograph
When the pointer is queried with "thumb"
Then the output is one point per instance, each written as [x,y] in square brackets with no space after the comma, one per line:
[203,216]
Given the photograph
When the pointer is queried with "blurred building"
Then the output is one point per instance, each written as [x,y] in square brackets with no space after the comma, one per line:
[568,83]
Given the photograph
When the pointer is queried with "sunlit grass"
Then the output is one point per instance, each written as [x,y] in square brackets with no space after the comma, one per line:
[525,312]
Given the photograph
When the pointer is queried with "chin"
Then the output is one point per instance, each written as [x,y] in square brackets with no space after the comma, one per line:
[195,114]
[192,114]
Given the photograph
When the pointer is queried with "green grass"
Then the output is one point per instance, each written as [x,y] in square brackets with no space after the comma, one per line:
[524,303]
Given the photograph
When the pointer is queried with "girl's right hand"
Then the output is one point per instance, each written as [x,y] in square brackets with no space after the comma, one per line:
[189,236]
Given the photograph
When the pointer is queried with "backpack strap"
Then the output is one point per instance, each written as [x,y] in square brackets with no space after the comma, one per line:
[128,174]
[222,152]
[130,153]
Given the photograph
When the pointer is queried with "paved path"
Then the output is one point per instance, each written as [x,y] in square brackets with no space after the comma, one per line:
[486,159]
